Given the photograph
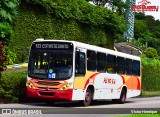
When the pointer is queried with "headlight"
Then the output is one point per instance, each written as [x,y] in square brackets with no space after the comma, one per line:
[30,85]
[66,86]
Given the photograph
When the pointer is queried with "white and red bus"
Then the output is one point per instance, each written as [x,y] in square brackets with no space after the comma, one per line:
[60,70]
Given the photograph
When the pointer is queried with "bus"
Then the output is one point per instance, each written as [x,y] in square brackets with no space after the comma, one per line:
[60,70]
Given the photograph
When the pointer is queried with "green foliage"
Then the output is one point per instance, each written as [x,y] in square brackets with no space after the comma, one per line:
[34,22]
[12,86]
[5,31]
[148,30]
[150,62]
[151,76]
[3,57]
[83,12]
[151,53]
[68,20]
[8,11]
[11,56]
[115,5]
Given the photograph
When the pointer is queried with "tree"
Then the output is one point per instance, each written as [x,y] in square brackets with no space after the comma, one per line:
[118,8]
[114,5]
[8,10]
[151,53]
[3,57]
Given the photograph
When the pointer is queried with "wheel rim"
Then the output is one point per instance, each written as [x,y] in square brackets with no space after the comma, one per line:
[123,97]
[87,97]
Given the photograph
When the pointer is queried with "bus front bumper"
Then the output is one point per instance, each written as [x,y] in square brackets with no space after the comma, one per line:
[49,94]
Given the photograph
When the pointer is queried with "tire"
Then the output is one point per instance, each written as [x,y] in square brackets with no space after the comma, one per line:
[122,97]
[88,98]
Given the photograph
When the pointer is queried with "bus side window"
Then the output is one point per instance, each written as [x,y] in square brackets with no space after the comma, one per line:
[101,62]
[129,66]
[80,65]
[136,68]
[120,65]
[111,64]
[91,60]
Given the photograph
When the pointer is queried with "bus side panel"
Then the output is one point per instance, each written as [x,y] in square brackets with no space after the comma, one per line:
[133,93]
[107,86]
[133,84]
[78,94]
[81,83]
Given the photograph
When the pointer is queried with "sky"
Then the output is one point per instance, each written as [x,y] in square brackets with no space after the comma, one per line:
[155,14]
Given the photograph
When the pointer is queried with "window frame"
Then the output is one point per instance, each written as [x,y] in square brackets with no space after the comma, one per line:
[93,60]
[103,59]
[80,63]
[114,62]
[121,65]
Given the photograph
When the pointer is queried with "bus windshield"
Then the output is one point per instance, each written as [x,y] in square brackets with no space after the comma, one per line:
[50,64]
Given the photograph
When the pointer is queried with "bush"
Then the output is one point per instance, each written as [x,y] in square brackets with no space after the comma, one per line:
[150,62]
[11,56]
[12,88]
[150,74]
[151,53]
[151,78]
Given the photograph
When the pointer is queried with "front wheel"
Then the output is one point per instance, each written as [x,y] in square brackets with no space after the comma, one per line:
[88,98]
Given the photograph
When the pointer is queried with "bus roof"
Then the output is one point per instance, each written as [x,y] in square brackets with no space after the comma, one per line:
[95,48]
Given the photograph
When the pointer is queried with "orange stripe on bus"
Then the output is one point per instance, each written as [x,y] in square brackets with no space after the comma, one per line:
[91,78]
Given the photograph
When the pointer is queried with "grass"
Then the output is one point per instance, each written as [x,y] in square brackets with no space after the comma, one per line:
[150,93]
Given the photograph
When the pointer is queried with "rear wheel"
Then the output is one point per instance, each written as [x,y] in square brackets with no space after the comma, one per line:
[88,98]
[122,97]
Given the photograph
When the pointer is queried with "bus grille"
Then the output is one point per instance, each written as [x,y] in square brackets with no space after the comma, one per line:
[47,93]
[48,83]
[48,88]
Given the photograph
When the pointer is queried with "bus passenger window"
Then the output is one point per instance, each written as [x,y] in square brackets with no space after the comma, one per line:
[128,66]
[120,65]
[80,65]
[91,60]
[111,64]
[136,68]
[101,62]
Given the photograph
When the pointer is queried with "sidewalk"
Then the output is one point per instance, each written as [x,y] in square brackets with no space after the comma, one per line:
[17,66]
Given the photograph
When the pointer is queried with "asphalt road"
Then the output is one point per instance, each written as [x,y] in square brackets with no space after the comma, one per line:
[133,105]
[126,49]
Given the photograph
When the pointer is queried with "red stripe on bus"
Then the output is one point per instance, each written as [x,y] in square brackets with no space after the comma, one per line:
[123,79]
[138,84]
[91,77]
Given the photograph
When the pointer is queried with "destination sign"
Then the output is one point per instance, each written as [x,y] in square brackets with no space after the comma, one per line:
[66,46]
[52,45]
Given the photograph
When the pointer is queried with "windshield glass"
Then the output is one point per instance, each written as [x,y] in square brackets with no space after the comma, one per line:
[50,64]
